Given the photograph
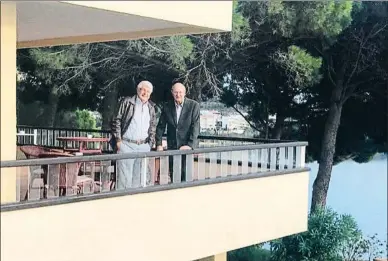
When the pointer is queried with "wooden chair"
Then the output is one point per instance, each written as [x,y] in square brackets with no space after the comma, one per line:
[60,178]
[37,174]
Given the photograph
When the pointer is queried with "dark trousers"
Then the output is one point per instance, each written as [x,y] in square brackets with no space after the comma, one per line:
[183,167]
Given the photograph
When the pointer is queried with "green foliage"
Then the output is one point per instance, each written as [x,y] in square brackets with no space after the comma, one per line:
[53,57]
[302,69]
[240,26]
[172,51]
[66,119]
[271,86]
[330,237]
[78,119]
[361,248]
[251,253]
[327,233]
[56,67]
[275,67]
[276,53]
[291,19]
[84,119]
[30,114]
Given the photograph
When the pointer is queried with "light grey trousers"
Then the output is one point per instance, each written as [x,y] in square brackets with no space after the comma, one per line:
[129,171]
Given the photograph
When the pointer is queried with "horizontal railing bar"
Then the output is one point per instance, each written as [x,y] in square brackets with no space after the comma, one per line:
[229,138]
[53,147]
[205,137]
[61,129]
[152,154]
[104,195]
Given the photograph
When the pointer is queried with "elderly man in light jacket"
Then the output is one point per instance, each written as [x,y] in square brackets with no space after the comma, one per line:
[133,130]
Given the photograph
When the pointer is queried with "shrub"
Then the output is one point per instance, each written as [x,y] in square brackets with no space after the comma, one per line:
[328,233]
[251,253]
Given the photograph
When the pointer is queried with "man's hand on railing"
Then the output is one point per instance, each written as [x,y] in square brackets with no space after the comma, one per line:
[118,144]
[159,148]
[185,147]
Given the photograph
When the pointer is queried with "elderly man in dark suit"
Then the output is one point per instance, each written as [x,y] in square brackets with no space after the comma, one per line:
[182,118]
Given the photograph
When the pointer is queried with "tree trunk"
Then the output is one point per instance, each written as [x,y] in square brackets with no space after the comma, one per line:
[278,128]
[109,105]
[52,107]
[321,183]
[195,93]
[267,125]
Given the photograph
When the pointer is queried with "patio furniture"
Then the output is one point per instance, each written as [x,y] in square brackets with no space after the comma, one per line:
[64,177]
[37,174]
[83,141]
[33,151]
[88,180]
[83,182]
[60,177]
[91,167]
[23,174]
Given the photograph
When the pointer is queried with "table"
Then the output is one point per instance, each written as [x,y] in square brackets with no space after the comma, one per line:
[52,154]
[83,141]
[62,175]
[66,175]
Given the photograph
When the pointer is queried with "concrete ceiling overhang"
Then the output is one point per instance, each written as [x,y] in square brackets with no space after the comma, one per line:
[53,23]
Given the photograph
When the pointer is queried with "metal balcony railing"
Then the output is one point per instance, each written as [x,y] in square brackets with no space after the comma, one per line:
[46,136]
[54,180]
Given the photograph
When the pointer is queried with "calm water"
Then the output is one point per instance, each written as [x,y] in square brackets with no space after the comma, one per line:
[359,190]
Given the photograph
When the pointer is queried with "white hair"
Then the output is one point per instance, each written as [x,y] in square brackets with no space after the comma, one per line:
[178,84]
[146,84]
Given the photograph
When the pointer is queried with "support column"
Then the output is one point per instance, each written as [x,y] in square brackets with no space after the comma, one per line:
[219,257]
[8,99]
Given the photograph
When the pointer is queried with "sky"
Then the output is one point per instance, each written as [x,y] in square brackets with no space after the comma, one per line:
[359,190]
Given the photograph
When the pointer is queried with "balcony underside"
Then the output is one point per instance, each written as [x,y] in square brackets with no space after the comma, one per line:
[175,224]
[72,22]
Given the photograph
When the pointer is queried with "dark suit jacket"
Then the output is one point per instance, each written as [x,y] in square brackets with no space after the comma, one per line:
[184,132]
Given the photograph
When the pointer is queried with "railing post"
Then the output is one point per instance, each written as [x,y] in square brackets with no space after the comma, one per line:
[177,169]
[300,156]
[189,167]
[144,170]
[272,158]
[282,158]
[35,136]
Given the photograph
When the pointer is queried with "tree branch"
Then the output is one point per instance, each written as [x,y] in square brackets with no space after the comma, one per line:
[245,118]
[155,48]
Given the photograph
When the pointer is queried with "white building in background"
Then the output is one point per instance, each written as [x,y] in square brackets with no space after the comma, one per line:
[209,120]
[234,124]
[213,120]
